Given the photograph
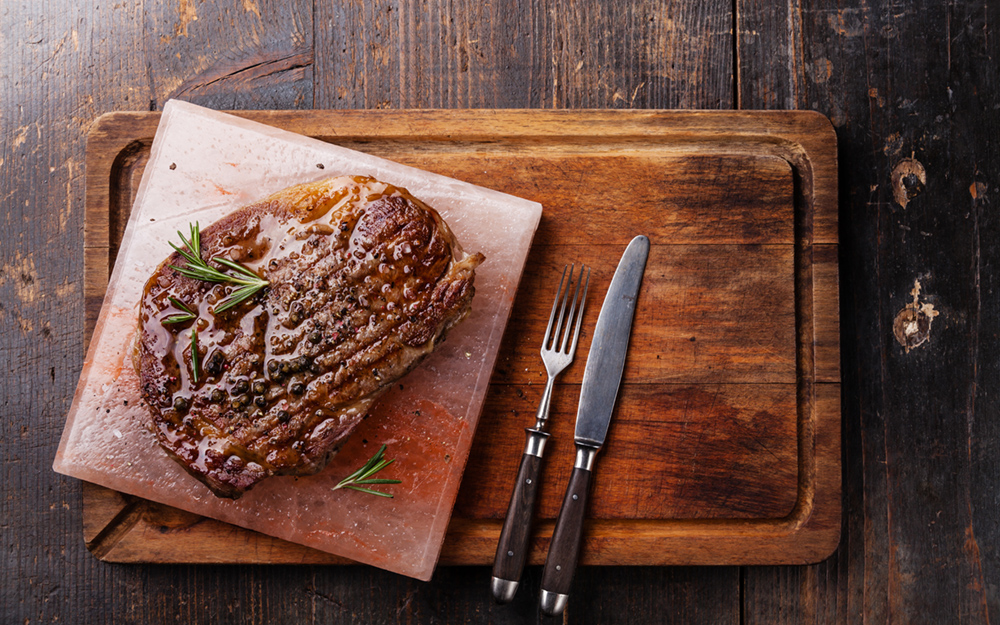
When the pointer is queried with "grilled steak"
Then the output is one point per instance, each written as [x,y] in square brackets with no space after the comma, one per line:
[363,281]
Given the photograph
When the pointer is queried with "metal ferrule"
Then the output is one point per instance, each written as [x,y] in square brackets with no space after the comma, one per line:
[585,457]
[503,589]
[552,603]
[536,442]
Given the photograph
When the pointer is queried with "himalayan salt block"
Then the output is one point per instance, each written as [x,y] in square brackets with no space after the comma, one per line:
[204,164]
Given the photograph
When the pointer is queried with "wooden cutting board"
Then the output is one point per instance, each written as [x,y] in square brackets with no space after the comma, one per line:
[725,447]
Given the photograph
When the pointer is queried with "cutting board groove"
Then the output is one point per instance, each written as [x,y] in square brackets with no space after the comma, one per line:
[725,448]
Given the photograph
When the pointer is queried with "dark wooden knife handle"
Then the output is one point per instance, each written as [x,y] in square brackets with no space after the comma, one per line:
[564,550]
[512,549]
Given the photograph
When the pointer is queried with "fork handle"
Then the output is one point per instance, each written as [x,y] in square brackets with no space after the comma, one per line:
[512,550]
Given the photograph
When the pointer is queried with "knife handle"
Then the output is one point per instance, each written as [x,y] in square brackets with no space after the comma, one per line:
[512,550]
[564,550]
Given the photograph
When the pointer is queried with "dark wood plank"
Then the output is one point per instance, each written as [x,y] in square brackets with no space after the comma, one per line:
[251,54]
[680,595]
[768,47]
[545,54]
[605,595]
[63,63]
[920,440]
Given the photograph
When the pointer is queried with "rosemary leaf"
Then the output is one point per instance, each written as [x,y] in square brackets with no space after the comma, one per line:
[238,296]
[198,269]
[199,273]
[254,278]
[194,256]
[195,245]
[179,304]
[178,318]
[361,477]
[194,353]
[187,315]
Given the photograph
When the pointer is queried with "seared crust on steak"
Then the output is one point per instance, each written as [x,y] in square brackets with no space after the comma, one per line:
[364,281]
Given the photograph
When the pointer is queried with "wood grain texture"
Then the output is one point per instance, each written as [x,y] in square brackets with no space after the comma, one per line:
[899,79]
[249,54]
[753,454]
[672,595]
[51,87]
[546,54]
[920,435]
[723,451]
[727,312]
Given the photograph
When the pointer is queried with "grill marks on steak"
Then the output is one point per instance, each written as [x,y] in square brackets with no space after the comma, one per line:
[364,281]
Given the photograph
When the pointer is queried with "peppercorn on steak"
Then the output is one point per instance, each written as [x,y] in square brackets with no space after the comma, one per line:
[265,338]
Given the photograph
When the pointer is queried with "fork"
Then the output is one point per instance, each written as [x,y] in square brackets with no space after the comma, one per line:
[558,348]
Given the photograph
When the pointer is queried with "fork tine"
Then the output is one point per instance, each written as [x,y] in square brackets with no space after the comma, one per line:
[562,311]
[583,302]
[570,319]
[552,315]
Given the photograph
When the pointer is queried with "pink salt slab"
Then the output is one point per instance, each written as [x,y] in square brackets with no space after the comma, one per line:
[205,164]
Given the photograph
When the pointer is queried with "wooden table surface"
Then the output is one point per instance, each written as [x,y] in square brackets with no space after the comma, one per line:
[913,91]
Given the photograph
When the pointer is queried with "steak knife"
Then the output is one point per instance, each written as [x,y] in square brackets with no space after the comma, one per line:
[601,381]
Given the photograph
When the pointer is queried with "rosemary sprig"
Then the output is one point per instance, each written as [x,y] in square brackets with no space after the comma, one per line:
[198,269]
[194,353]
[187,315]
[363,476]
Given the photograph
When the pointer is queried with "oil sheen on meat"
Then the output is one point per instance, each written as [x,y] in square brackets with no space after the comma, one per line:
[364,281]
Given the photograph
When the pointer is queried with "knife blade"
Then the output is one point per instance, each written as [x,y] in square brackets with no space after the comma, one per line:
[598,395]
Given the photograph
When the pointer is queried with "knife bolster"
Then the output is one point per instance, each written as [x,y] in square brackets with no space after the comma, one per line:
[585,455]
[536,442]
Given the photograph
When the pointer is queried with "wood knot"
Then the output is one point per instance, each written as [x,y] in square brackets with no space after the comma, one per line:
[912,326]
[978,190]
[908,180]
